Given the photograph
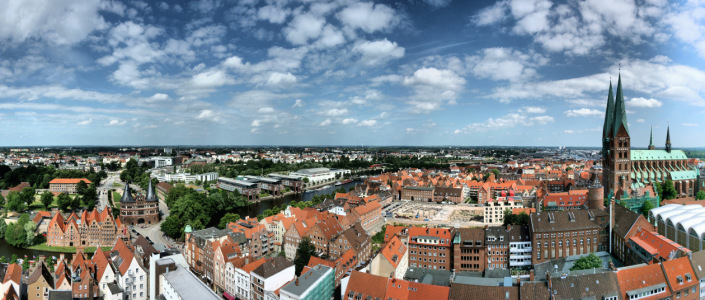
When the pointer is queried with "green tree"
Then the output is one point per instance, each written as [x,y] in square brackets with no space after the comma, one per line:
[27,195]
[379,236]
[3,227]
[81,187]
[495,172]
[13,259]
[303,254]
[16,235]
[75,202]
[700,195]
[227,218]
[90,196]
[30,228]
[25,264]
[669,190]
[14,202]
[50,264]
[47,198]
[3,259]
[646,208]
[64,201]
[587,262]
[305,180]
[509,217]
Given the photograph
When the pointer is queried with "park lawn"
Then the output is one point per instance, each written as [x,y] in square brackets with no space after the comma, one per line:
[116,199]
[45,247]
[115,184]
[37,205]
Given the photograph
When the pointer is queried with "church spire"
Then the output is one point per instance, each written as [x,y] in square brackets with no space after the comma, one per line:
[609,113]
[668,139]
[651,139]
[620,113]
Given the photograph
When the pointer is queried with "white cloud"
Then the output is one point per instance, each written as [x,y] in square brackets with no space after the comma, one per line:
[348,121]
[59,22]
[690,125]
[303,28]
[85,122]
[115,122]
[640,121]
[160,96]
[437,3]
[505,64]
[266,110]
[273,14]
[233,62]
[432,88]
[325,123]
[280,79]
[569,131]
[299,103]
[367,123]
[507,121]
[368,17]
[334,112]
[211,79]
[643,102]
[583,112]
[533,110]
[206,114]
[378,52]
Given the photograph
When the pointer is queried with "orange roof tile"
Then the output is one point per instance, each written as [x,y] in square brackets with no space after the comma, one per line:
[254,265]
[13,273]
[633,278]
[69,180]
[393,251]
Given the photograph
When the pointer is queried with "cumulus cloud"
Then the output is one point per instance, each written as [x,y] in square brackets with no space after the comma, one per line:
[640,121]
[505,64]
[299,103]
[115,122]
[432,88]
[368,17]
[437,3]
[211,79]
[507,121]
[325,123]
[303,28]
[367,123]
[643,102]
[378,52]
[266,110]
[348,121]
[160,96]
[583,112]
[334,112]
[280,79]
[533,110]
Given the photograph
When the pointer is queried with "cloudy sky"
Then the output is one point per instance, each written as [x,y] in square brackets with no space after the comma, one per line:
[407,72]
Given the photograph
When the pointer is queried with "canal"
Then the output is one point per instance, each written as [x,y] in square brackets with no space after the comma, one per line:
[8,250]
[255,209]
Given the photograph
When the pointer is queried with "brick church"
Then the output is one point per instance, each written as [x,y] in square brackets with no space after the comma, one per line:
[628,174]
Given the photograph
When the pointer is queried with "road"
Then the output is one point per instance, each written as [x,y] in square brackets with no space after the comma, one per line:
[105,187]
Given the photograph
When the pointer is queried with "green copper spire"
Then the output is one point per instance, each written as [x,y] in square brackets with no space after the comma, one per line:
[620,113]
[668,139]
[651,137]
[609,113]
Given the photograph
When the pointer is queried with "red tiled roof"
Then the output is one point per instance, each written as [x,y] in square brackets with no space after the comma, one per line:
[69,180]
[435,232]
[634,278]
[253,265]
[679,267]
[13,273]
[392,231]
[394,248]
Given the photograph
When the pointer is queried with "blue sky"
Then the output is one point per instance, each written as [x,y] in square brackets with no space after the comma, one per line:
[413,72]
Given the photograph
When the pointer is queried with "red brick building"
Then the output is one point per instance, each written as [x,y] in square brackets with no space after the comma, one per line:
[469,250]
[91,229]
[369,215]
[143,209]
[430,248]
[565,233]
[67,185]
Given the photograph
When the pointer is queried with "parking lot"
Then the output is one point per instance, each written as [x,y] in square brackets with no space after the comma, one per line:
[433,213]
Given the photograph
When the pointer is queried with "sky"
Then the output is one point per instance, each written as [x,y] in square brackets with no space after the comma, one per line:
[408,72]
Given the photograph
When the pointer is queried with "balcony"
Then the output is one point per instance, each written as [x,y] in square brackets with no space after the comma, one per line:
[518,250]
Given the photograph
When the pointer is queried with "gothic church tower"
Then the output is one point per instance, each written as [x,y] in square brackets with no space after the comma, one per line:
[616,145]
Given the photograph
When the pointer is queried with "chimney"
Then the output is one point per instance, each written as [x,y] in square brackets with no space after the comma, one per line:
[531,275]
[296,280]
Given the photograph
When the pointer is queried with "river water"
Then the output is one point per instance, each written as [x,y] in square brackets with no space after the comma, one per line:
[255,209]
[8,250]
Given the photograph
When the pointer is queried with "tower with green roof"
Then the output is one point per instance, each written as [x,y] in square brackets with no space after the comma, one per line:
[616,145]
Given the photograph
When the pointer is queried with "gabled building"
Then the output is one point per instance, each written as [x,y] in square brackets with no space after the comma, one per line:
[316,283]
[354,238]
[681,278]
[392,260]
[469,249]
[430,248]
[93,228]
[141,209]
[270,276]
[626,224]
[39,283]
[643,282]
[130,276]
[565,233]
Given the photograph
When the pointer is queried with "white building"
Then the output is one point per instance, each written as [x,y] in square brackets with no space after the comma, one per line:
[494,211]
[185,177]
[519,247]
[393,258]
[321,175]
[270,276]
[181,284]
[130,276]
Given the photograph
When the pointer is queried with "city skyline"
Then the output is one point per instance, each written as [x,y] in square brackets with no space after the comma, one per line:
[431,72]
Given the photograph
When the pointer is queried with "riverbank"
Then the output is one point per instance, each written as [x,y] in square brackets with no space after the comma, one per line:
[271,197]
[57,249]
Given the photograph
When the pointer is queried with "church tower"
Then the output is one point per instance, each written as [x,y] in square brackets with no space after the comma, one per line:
[616,149]
[651,139]
[668,139]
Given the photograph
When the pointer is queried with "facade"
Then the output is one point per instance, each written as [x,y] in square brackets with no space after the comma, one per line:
[565,233]
[469,249]
[643,282]
[650,247]
[66,185]
[270,276]
[143,209]
[318,176]
[627,170]
[318,283]
[322,232]
[368,286]
[448,194]
[354,238]
[430,248]
[697,261]
[392,260]
[369,215]
[293,236]
[199,250]
[494,210]
[520,251]
[681,278]
[242,279]
[497,242]
[186,177]
[91,229]
[272,186]
[417,193]
[39,283]
[250,190]
[566,200]
[278,224]
[129,274]
[625,224]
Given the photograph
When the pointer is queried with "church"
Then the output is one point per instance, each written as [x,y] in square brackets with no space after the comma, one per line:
[628,175]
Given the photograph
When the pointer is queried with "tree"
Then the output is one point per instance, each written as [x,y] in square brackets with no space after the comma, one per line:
[669,190]
[509,217]
[27,195]
[75,202]
[379,236]
[64,201]
[50,264]
[47,198]
[495,172]
[303,254]
[81,187]
[227,218]
[13,259]
[90,196]
[589,261]
[30,228]
[646,208]
[305,180]
[3,228]
[14,202]
[25,264]
[16,235]
[700,195]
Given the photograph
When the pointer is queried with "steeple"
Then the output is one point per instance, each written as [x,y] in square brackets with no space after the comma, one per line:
[609,114]
[126,195]
[668,139]
[620,113]
[150,193]
[651,139]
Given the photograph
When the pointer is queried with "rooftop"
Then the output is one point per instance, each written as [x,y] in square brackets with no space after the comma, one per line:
[188,286]
[307,280]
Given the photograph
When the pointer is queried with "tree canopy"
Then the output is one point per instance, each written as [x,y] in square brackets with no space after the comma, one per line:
[46,198]
[304,252]
[587,262]
[669,190]
[646,208]
[700,195]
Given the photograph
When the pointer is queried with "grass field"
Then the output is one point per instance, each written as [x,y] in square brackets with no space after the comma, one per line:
[45,247]
[115,184]
[116,199]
